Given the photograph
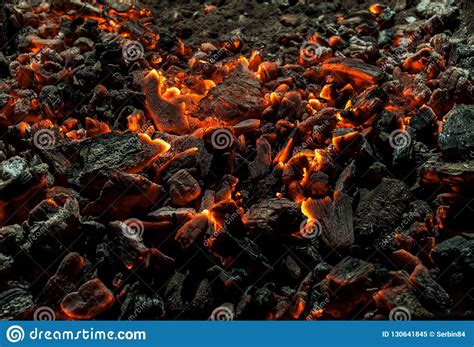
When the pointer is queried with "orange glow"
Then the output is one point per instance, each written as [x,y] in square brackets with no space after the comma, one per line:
[284,153]
[326,92]
[376,8]
[357,75]
[298,310]
[209,9]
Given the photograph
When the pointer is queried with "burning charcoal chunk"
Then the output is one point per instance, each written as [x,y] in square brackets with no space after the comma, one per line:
[281,305]
[11,238]
[424,120]
[127,242]
[25,77]
[321,270]
[457,136]
[350,271]
[290,105]
[167,116]
[160,262]
[185,152]
[389,299]
[302,296]
[380,209]
[175,215]
[318,184]
[246,126]
[317,303]
[440,102]
[123,196]
[367,104]
[353,68]
[92,299]
[183,188]
[334,217]
[436,170]
[343,305]
[294,168]
[269,71]
[226,187]
[347,142]
[56,44]
[228,217]
[174,302]
[63,281]
[405,260]
[113,152]
[274,217]
[192,230]
[16,304]
[426,60]
[429,292]
[51,227]
[236,98]
[261,165]
[455,258]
